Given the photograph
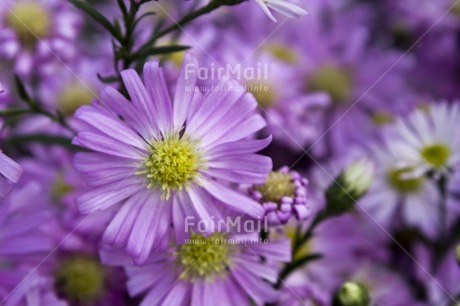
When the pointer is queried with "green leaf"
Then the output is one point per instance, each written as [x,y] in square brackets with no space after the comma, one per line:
[98,17]
[14,112]
[22,92]
[123,8]
[108,79]
[44,139]
[142,17]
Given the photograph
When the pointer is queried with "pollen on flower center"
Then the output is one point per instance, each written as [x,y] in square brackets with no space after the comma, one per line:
[204,257]
[456,8]
[30,21]
[381,118]
[404,185]
[263,93]
[283,53]
[276,186]
[436,154]
[173,163]
[336,81]
[60,188]
[73,96]
[80,279]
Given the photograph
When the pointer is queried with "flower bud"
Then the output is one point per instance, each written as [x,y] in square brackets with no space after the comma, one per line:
[349,186]
[351,294]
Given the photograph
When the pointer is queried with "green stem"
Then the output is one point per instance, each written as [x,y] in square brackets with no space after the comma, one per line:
[43,138]
[291,267]
[211,6]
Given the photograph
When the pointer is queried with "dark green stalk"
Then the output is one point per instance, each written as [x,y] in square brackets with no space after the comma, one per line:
[211,6]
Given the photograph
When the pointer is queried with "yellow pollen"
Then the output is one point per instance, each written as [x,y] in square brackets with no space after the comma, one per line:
[80,279]
[404,185]
[283,53]
[30,21]
[276,186]
[173,163]
[60,188]
[436,154]
[263,93]
[204,257]
[382,118]
[73,96]
[335,81]
[456,8]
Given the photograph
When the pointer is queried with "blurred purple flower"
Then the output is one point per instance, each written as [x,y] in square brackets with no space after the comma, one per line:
[34,32]
[206,270]
[398,197]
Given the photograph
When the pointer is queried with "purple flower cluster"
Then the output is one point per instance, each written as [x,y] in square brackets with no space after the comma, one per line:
[230,152]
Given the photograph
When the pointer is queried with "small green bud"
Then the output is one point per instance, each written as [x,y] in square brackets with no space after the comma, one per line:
[349,186]
[352,294]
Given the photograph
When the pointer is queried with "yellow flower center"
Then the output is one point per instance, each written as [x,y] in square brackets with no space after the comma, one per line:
[404,185]
[173,163]
[436,154]
[382,118]
[456,8]
[204,257]
[283,53]
[335,81]
[276,186]
[73,96]
[80,279]
[263,93]
[60,188]
[30,21]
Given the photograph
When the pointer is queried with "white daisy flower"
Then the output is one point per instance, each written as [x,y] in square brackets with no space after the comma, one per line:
[397,197]
[284,7]
[430,139]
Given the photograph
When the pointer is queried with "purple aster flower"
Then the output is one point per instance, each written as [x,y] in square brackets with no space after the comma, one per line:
[49,252]
[162,161]
[77,278]
[10,172]
[338,59]
[207,269]
[74,85]
[283,195]
[34,32]
[30,289]
[23,243]
[270,73]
